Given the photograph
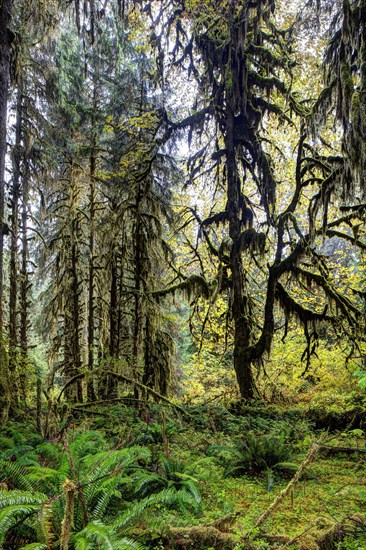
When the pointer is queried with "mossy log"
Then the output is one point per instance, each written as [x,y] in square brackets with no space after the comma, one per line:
[310,457]
[182,538]
[332,449]
[326,539]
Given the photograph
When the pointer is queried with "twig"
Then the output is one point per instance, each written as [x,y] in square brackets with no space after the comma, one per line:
[314,450]
[297,537]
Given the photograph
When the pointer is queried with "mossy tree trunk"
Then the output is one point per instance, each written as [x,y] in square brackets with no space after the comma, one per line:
[6,38]
[91,394]
[240,305]
[14,268]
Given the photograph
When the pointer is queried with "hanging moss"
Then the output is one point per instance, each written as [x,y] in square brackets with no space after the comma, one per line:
[355,110]
[347,87]
[192,286]
[250,239]
[159,353]
[225,247]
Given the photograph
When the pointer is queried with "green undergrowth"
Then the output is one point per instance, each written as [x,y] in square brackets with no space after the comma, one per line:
[137,477]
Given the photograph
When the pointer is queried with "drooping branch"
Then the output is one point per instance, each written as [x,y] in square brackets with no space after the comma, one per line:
[194,285]
[292,307]
[350,238]
[349,310]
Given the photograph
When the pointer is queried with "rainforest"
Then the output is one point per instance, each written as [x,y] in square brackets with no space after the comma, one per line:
[182,274]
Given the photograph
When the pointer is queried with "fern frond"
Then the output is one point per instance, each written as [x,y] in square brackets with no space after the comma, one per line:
[106,494]
[6,443]
[18,505]
[191,486]
[82,543]
[128,544]
[46,478]
[11,515]
[87,443]
[134,511]
[146,483]
[34,546]
[193,469]
[105,536]
[180,499]
[103,464]
[15,497]
[46,517]
[24,454]
[16,474]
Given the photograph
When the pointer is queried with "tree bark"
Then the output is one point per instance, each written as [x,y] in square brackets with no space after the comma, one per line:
[91,323]
[138,306]
[242,323]
[76,355]
[73,316]
[24,278]
[14,270]
[6,7]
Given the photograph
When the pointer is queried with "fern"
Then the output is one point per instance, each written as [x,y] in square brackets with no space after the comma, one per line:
[147,483]
[24,455]
[34,546]
[46,517]
[45,479]
[10,498]
[154,433]
[180,499]
[191,486]
[102,481]
[87,443]
[253,453]
[101,474]
[134,511]
[6,443]
[50,454]
[105,537]
[172,477]
[17,506]
[107,491]
[16,475]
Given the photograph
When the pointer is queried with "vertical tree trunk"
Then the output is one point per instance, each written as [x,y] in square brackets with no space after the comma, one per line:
[24,279]
[242,322]
[6,7]
[113,309]
[107,385]
[76,321]
[138,313]
[14,271]
[73,306]
[91,326]
[39,406]
[73,392]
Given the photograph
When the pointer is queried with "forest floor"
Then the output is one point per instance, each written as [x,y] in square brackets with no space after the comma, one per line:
[256,478]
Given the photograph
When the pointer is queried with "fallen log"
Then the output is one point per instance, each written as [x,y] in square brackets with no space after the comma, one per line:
[326,539]
[201,536]
[332,449]
[310,457]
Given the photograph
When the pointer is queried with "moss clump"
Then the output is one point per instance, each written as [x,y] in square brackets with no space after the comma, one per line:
[201,537]
[355,109]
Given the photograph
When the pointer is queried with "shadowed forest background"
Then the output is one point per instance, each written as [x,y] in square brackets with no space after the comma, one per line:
[182,277]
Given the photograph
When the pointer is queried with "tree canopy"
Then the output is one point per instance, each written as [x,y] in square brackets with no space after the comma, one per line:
[176,164]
